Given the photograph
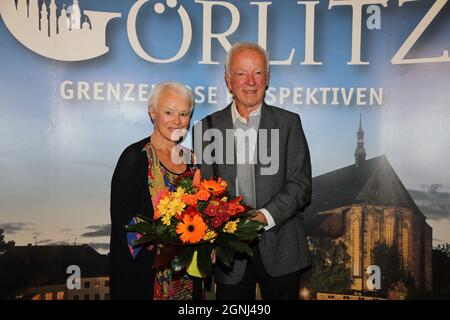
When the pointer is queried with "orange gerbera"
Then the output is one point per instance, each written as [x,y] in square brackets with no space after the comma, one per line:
[190,199]
[202,195]
[192,229]
[214,187]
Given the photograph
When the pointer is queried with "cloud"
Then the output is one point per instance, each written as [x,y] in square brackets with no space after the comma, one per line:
[433,203]
[103,230]
[45,241]
[59,243]
[15,227]
[433,189]
[99,246]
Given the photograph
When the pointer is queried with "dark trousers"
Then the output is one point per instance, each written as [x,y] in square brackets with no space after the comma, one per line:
[285,287]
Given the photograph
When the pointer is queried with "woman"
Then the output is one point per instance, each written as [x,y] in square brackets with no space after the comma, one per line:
[143,171]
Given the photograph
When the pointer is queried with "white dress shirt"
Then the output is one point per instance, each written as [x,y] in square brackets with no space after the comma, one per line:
[236,116]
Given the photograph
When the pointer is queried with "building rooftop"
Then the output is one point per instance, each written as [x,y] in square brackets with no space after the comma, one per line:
[47,265]
[374,182]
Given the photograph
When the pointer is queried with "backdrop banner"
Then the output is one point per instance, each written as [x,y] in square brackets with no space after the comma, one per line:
[369,79]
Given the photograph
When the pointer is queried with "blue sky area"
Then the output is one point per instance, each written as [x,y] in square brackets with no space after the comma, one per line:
[57,156]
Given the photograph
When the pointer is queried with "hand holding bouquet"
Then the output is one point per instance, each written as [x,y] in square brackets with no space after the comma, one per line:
[192,221]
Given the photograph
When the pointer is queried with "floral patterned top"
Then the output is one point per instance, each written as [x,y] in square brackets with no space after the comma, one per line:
[168,285]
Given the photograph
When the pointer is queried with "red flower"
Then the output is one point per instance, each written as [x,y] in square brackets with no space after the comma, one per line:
[190,211]
[211,209]
[217,210]
[234,207]
[219,220]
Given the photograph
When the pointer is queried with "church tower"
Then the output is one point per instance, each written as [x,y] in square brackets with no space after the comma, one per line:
[44,19]
[360,152]
[53,18]
[75,16]
[63,21]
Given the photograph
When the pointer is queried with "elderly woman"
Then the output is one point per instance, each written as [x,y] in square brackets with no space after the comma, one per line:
[145,169]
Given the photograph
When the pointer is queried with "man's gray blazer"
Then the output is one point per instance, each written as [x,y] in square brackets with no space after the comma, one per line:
[285,194]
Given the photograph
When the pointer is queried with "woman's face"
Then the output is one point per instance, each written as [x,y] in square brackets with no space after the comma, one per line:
[171,115]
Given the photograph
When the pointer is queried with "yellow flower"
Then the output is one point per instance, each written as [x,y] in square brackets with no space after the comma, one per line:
[168,208]
[163,205]
[179,193]
[210,236]
[231,226]
[176,206]
[171,207]
[165,218]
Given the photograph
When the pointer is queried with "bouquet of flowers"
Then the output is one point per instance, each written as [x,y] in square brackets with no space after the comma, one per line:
[192,221]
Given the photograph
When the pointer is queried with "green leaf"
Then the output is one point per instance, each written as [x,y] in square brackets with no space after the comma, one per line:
[246,235]
[144,239]
[161,230]
[250,225]
[144,228]
[186,184]
[201,205]
[240,247]
[222,243]
[222,257]
[248,230]
[130,227]
[145,218]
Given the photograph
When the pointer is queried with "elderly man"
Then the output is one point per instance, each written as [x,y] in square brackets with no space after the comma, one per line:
[279,195]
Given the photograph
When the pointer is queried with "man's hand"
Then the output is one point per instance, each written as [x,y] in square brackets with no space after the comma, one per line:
[259,216]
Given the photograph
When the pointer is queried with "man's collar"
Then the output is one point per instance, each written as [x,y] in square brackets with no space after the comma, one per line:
[236,115]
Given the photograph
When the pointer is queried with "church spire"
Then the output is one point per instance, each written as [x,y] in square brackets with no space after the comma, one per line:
[44,19]
[53,18]
[75,16]
[63,22]
[360,152]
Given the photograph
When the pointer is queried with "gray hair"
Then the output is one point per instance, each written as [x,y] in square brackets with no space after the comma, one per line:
[172,85]
[245,45]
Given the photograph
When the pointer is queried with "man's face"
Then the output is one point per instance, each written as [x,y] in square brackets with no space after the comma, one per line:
[247,78]
[172,115]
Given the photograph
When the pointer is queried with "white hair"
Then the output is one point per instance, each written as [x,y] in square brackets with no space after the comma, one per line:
[245,45]
[170,85]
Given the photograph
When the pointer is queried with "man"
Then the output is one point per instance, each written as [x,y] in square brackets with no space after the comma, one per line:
[278,195]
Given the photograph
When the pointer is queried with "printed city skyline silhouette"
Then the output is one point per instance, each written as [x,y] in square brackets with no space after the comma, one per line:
[57,33]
